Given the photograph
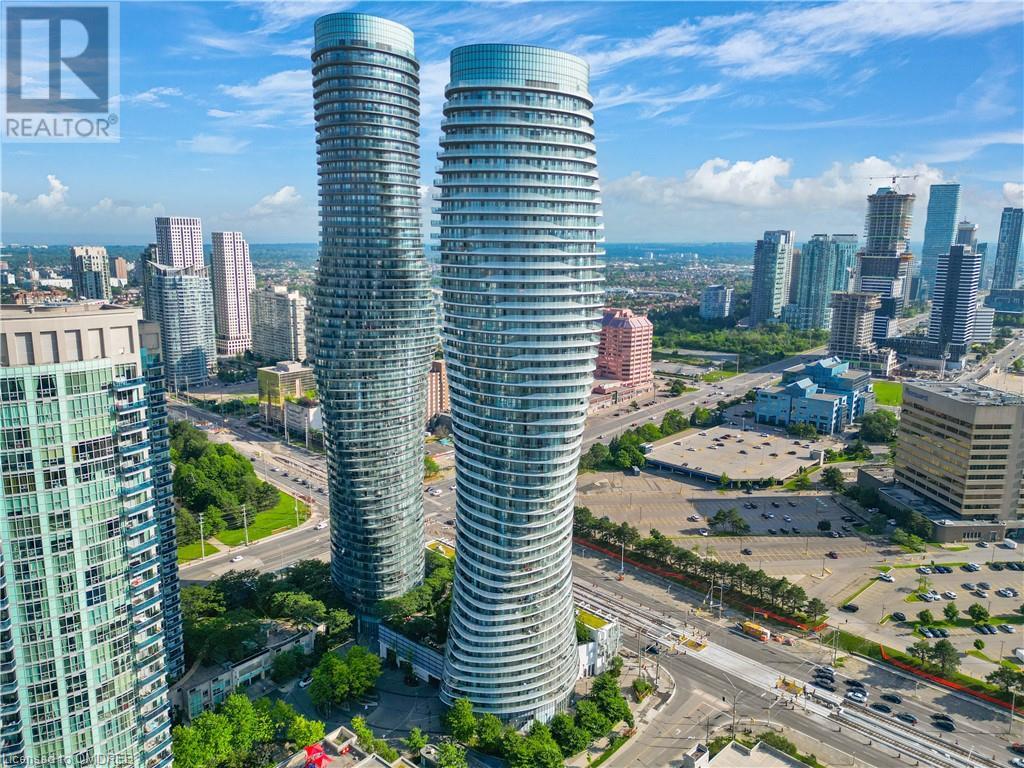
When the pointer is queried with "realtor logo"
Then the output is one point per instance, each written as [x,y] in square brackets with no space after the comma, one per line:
[61,72]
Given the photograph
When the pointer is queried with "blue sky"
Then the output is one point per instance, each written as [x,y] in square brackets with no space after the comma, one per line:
[715,120]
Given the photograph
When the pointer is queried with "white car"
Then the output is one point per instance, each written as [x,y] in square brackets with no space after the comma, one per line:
[435,492]
[305,682]
[451,487]
[949,595]
[886,577]
[857,695]
[321,525]
[924,569]
[236,559]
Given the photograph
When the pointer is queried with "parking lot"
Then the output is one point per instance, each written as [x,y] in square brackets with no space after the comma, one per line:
[744,454]
[958,586]
[655,501]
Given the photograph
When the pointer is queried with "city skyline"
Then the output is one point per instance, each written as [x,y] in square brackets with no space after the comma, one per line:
[702,155]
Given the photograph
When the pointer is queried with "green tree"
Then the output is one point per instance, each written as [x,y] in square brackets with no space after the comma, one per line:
[249,725]
[303,732]
[451,755]
[186,527]
[802,481]
[201,602]
[723,481]
[945,656]
[544,750]
[1007,679]
[288,665]
[878,426]
[824,525]
[430,466]
[205,743]
[298,607]
[978,613]
[925,617]
[979,644]
[364,669]
[590,719]
[489,731]
[816,609]
[951,612]
[832,477]
[460,720]
[332,683]
[415,741]
[571,739]
[921,649]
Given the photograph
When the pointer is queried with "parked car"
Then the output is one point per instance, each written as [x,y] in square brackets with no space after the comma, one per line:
[849,607]
[880,707]
[949,595]
[906,717]
[306,681]
[747,551]
[899,616]
[886,577]
[832,554]
[892,698]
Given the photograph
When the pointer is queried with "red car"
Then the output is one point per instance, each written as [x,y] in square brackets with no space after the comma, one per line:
[1017,747]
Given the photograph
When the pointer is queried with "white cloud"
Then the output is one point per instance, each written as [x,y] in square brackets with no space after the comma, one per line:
[655,102]
[55,199]
[284,97]
[797,38]
[286,200]
[1013,194]
[153,97]
[8,198]
[954,150]
[734,200]
[209,144]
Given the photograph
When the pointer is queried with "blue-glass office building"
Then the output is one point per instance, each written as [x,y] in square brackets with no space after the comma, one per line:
[939,230]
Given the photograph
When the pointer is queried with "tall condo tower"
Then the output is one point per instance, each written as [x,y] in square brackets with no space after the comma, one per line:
[374,324]
[520,276]
[814,282]
[233,284]
[773,261]
[179,242]
[83,613]
[955,300]
[1008,248]
[883,266]
[940,229]
[90,272]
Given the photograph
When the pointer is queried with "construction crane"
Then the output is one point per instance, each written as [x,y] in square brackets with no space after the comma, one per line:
[893,178]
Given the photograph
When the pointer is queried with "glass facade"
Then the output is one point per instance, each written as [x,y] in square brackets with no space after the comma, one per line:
[83,675]
[521,237]
[939,230]
[773,260]
[373,322]
[1008,249]
[180,299]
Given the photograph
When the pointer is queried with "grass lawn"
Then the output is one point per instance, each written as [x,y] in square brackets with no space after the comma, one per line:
[280,518]
[442,549]
[194,551]
[714,376]
[888,392]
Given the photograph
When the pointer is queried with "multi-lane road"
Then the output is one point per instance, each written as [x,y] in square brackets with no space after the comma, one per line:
[662,612]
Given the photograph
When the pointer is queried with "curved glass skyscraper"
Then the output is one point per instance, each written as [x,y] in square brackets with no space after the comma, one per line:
[520,241]
[373,321]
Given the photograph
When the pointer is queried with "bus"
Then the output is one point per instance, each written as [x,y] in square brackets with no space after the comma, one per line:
[756,631]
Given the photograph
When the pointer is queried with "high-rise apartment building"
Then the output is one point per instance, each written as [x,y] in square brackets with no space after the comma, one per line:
[438,397]
[955,303]
[769,291]
[851,337]
[624,349]
[181,301]
[233,283]
[846,261]
[1008,249]
[883,266]
[967,234]
[179,242]
[716,302]
[520,241]
[374,325]
[278,323]
[986,266]
[814,281]
[940,229]
[80,543]
[118,267]
[90,272]
[962,447]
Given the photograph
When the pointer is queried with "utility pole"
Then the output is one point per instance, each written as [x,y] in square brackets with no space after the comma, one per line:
[202,539]
[245,524]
